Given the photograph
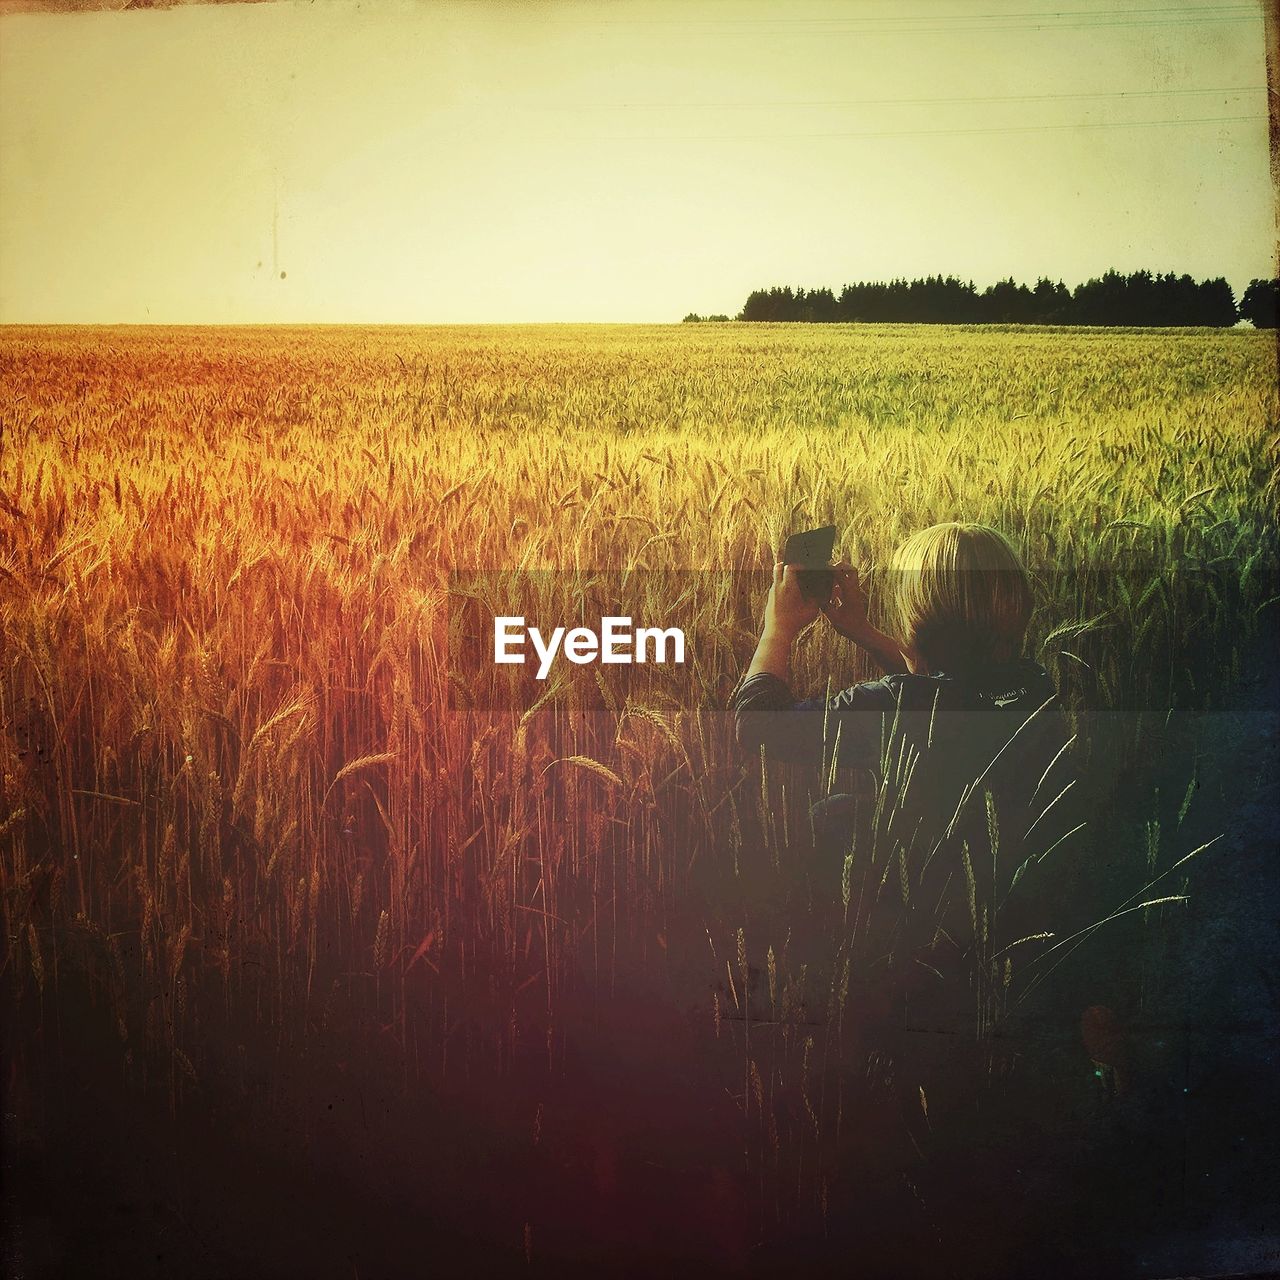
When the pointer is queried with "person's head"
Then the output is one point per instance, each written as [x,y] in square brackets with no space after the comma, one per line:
[959,597]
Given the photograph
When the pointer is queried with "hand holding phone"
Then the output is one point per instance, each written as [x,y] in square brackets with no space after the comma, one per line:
[846,609]
[811,552]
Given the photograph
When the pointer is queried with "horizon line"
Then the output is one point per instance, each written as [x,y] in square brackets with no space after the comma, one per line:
[635,324]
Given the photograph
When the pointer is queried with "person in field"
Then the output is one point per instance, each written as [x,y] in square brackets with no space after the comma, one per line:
[952,860]
[948,786]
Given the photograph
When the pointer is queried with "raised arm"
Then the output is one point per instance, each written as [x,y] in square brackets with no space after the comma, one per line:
[847,613]
[766,713]
[786,614]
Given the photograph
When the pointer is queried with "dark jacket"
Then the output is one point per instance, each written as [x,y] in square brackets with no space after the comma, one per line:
[985,706]
[970,776]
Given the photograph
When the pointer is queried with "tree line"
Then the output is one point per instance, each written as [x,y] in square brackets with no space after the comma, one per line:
[1113,299]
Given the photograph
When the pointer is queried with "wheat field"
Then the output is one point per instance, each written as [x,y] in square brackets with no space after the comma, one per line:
[250,796]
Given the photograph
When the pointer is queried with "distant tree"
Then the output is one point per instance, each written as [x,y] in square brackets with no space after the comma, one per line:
[1100,301]
[1140,303]
[1260,303]
[692,318]
[1177,296]
[958,302]
[1217,304]
[1007,302]
[1051,303]
[1110,299]
[821,306]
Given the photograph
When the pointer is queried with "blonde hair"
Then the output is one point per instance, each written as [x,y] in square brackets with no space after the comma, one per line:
[959,596]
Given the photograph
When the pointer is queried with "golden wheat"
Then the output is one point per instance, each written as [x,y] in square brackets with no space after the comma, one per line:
[232,564]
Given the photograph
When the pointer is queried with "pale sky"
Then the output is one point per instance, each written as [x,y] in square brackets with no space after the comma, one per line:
[609,160]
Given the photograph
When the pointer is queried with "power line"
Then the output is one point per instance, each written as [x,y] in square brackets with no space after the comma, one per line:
[928,31]
[930,17]
[906,133]
[1035,13]
[885,102]
[605,24]
[1053,20]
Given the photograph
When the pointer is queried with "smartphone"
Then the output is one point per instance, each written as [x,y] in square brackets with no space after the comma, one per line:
[812,551]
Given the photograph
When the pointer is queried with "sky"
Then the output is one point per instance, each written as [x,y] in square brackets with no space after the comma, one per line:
[384,161]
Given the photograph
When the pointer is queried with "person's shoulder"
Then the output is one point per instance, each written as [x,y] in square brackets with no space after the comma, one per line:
[1020,680]
[1030,669]
[888,693]
[761,691]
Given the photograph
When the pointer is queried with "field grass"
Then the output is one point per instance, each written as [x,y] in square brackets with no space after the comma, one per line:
[250,798]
